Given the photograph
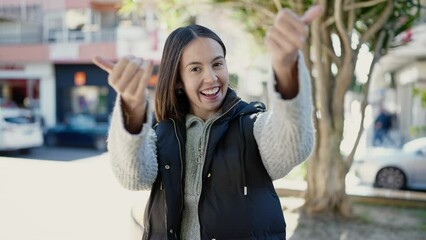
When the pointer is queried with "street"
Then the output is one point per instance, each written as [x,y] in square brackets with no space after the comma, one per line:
[63,193]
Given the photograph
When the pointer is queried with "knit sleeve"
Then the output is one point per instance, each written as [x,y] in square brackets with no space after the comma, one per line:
[285,133]
[133,156]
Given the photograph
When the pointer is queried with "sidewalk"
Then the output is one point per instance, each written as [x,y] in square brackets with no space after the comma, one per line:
[359,193]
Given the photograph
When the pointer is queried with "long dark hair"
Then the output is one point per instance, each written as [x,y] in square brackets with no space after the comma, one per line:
[168,103]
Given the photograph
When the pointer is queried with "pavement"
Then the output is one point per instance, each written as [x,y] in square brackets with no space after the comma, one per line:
[75,198]
[297,188]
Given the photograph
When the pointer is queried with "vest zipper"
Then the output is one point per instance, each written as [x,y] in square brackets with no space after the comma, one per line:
[208,132]
[242,153]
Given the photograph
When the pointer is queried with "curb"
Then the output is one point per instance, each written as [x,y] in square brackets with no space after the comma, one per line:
[370,195]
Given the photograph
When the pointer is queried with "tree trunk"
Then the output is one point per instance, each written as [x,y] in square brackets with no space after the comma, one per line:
[326,185]
[326,170]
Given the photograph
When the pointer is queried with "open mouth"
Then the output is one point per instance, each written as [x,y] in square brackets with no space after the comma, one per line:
[211,92]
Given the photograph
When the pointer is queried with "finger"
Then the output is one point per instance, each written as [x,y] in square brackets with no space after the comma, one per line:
[286,42]
[134,83]
[286,34]
[145,78]
[103,63]
[130,70]
[271,45]
[312,13]
[289,23]
[118,69]
[282,53]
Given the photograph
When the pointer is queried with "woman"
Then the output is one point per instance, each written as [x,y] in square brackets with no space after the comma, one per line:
[211,159]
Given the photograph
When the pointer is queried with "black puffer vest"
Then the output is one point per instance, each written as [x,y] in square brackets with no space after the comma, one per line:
[238,199]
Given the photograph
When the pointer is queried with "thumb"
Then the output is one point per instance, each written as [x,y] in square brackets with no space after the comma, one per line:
[103,63]
[312,13]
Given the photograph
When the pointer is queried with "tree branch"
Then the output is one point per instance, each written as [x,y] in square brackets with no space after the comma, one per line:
[321,96]
[377,55]
[378,24]
[354,6]
[332,55]
[351,18]
[341,30]
[347,56]
[329,21]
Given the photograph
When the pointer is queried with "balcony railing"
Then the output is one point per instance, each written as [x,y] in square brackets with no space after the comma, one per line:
[36,36]
[25,37]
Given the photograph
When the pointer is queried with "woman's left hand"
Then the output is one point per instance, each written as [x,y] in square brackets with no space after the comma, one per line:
[284,39]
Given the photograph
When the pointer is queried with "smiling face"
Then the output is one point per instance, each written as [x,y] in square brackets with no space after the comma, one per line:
[204,76]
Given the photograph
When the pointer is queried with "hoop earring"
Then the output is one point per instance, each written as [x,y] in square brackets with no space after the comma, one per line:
[179,91]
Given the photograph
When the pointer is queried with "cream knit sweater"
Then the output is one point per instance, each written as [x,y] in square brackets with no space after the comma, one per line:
[284,135]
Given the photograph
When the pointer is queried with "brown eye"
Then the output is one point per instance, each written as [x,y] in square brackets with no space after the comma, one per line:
[195,69]
[218,64]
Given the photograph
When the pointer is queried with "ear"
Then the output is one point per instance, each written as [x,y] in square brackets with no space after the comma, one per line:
[179,84]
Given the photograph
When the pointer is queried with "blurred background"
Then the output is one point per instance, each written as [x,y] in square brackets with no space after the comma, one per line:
[55,181]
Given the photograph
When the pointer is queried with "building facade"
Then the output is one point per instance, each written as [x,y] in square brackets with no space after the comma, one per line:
[399,84]
[46,48]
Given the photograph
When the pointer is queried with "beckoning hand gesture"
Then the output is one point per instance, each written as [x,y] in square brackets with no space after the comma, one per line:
[283,40]
[129,77]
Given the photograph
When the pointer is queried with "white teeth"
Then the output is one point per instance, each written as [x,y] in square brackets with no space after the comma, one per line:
[210,91]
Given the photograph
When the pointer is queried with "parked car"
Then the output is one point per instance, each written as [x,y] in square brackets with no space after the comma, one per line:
[394,168]
[19,130]
[80,130]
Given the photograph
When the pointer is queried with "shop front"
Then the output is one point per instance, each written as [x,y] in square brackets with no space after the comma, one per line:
[23,93]
[82,88]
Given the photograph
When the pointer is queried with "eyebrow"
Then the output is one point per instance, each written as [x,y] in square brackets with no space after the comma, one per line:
[214,59]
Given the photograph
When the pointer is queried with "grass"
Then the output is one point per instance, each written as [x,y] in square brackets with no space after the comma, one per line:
[370,221]
[422,215]
[365,218]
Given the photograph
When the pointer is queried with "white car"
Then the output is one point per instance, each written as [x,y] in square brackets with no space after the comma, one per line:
[394,168]
[19,130]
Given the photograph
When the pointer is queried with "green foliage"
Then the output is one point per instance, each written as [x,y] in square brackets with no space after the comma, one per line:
[129,7]
[355,86]
[233,80]
[417,131]
[421,93]
[366,218]
[254,15]
[257,15]
[422,215]
[402,18]
[173,13]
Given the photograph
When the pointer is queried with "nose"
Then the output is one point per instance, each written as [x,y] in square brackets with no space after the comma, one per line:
[210,76]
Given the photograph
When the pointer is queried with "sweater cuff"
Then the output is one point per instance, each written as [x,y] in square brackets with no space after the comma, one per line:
[303,97]
[118,115]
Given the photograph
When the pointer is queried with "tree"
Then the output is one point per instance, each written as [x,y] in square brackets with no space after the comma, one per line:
[331,53]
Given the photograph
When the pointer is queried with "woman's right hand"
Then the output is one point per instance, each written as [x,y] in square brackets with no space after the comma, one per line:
[129,77]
